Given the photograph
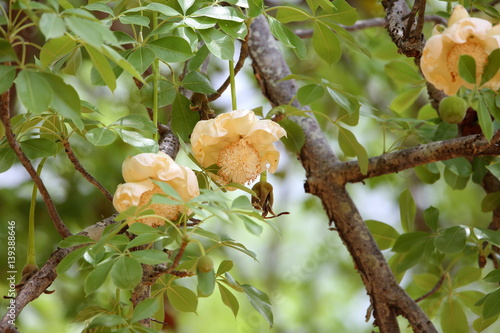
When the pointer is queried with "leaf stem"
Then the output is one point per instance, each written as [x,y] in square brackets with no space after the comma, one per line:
[31,256]
[156,72]
[233,85]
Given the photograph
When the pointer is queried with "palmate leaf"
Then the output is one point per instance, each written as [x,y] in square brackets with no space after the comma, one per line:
[287,37]
[182,298]
[260,301]
[467,68]
[351,147]
[34,91]
[326,43]
[219,44]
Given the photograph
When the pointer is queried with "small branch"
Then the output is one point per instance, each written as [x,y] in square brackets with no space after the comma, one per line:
[467,146]
[369,23]
[162,269]
[433,290]
[42,279]
[237,67]
[85,174]
[11,138]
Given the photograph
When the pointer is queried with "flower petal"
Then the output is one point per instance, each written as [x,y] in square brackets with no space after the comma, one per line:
[158,166]
[459,13]
[129,194]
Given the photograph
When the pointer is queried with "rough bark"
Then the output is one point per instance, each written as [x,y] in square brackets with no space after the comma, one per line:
[388,299]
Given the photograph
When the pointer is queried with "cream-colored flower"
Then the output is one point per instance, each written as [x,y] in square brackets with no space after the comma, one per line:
[464,36]
[139,171]
[239,143]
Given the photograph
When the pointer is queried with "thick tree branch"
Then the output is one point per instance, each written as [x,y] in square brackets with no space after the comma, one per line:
[42,279]
[79,167]
[11,138]
[466,146]
[387,297]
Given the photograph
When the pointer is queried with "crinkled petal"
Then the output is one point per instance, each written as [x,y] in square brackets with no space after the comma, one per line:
[158,166]
[459,13]
[271,158]
[187,186]
[264,133]
[129,194]
[465,29]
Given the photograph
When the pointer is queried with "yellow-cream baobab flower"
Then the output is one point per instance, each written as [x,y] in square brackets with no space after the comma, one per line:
[239,143]
[464,35]
[139,172]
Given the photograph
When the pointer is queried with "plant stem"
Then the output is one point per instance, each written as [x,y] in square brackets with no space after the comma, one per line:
[233,85]
[156,72]
[31,256]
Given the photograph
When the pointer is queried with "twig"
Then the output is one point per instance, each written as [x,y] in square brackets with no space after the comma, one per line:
[162,269]
[85,174]
[237,67]
[5,115]
[433,290]
[369,23]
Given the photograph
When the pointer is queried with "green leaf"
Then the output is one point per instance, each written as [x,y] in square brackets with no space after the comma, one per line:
[491,305]
[225,266]
[55,49]
[142,58]
[144,238]
[198,82]
[287,37]
[182,298]
[234,29]
[405,99]
[137,122]
[467,68]
[100,136]
[490,202]
[255,8]
[141,228]
[384,234]
[488,235]
[92,32]
[8,74]
[71,259]
[402,71]
[97,277]
[310,93]
[431,218]
[135,20]
[453,319]
[220,13]
[491,68]
[351,147]
[292,14]
[260,302]
[138,141]
[343,13]
[485,120]
[7,53]
[455,181]
[346,101]
[7,158]
[467,275]
[51,25]
[406,241]
[206,282]
[459,166]
[218,43]
[38,148]
[75,240]
[494,169]
[326,43]
[171,49]
[145,309]
[407,210]
[166,94]
[183,118]
[65,100]
[34,91]
[102,66]
[451,240]
[493,276]
[295,137]
[126,273]
[150,256]
[229,299]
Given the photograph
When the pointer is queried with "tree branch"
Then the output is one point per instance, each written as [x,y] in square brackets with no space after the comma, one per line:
[42,279]
[387,297]
[79,167]
[11,138]
[466,146]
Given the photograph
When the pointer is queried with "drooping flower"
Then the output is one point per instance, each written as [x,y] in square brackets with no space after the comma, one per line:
[239,143]
[139,171]
[464,35]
